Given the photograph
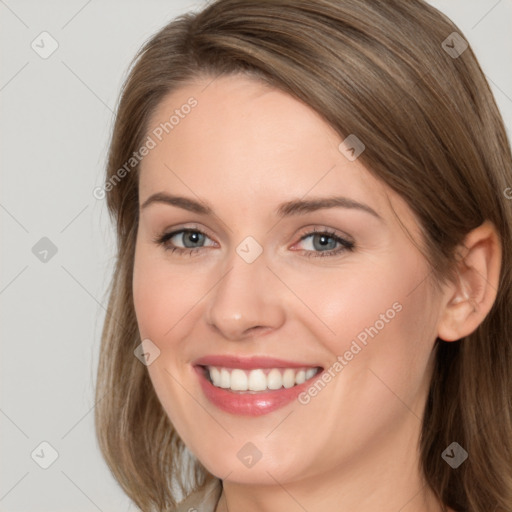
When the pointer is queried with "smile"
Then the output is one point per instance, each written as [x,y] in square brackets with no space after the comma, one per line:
[260,379]
[252,386]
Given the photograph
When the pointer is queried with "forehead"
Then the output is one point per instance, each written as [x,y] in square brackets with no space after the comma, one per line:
[251,143]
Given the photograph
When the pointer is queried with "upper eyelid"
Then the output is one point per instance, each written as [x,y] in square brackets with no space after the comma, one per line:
[332,231]
[176,231]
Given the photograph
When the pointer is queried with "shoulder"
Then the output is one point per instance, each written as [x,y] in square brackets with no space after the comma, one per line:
[203,500]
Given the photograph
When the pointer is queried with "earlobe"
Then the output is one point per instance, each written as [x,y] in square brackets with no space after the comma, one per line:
[470,298]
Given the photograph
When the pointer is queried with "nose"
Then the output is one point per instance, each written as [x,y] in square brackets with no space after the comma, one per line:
[246,301]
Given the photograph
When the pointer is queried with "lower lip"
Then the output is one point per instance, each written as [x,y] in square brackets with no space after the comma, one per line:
[250,403]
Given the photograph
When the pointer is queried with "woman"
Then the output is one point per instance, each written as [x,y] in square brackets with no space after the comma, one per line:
[310,308]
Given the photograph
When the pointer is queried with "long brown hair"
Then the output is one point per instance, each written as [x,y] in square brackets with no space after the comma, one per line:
[433,133]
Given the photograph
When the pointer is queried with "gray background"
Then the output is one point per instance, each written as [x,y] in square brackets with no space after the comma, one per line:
[56,119]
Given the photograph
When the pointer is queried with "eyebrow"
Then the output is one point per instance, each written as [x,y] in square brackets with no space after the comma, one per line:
[289,208]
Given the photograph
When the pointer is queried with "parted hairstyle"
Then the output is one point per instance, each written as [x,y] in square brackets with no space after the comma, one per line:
[433,133]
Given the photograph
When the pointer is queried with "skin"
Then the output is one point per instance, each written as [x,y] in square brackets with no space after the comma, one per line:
[244,149]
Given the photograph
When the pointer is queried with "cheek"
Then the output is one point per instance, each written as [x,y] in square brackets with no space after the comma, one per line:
[380,320]
[360,300]
[163,297]
[383,322]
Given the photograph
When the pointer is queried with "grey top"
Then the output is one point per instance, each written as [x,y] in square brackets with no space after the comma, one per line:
[202,501]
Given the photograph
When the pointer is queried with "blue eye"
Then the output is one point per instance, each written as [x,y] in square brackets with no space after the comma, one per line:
[323,242]
[326,239]
[191,239]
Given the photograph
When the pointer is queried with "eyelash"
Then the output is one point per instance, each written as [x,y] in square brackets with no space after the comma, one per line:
[347,245]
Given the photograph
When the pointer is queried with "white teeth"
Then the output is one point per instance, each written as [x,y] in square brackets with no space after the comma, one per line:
[274,379]
[288,378]
[238,380]
[259,379]
[215,376]
[310,373]
[225,379]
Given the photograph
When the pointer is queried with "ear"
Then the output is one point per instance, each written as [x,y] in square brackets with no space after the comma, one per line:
[468,300]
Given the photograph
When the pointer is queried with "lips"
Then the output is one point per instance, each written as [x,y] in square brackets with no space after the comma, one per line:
[252,386]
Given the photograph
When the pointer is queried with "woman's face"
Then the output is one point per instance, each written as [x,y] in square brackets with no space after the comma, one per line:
[269,285]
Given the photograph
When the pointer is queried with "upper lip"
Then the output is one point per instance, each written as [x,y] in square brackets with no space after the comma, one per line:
[249,363]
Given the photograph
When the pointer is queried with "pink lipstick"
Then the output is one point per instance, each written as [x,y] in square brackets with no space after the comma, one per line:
[252,386]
